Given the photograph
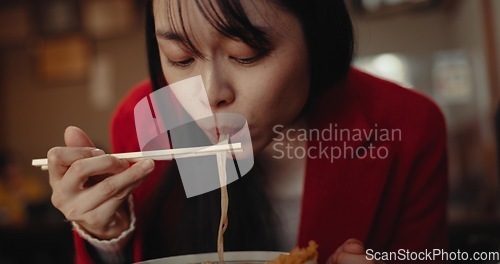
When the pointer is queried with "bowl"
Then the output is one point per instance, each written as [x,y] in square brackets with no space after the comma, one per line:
[234,257]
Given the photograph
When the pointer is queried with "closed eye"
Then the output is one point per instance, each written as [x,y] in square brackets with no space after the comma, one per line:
[181,64]
[250,60]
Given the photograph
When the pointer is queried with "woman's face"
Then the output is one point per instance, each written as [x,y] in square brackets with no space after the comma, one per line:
[268,88]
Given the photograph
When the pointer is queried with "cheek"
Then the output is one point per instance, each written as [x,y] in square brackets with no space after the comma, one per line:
[283,94]
[278,98]
[275,100]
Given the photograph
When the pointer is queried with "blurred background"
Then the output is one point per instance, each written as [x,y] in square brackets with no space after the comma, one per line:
[69,62]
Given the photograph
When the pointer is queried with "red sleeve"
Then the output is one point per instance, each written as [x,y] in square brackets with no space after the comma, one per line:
[422,224]
[123,134]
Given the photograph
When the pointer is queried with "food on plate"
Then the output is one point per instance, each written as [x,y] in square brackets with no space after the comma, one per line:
[299,255]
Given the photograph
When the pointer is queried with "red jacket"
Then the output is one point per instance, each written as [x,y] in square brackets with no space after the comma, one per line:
[391,203]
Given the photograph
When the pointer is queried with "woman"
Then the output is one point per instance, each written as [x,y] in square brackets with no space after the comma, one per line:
[285,67]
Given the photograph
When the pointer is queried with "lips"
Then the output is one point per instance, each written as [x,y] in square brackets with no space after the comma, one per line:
[215,132]
[228,130]
[223,123]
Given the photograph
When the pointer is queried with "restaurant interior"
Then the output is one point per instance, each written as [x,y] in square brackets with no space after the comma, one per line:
[69,62]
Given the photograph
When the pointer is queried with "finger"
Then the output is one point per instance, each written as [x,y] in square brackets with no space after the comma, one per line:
[60,158]
[80,170]
[348,258]
[75,137]
[353,246]
[115,187]
[333,257]
[105,218]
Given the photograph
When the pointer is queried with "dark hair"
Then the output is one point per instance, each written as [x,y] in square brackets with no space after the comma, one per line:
[329,36]
[326,25]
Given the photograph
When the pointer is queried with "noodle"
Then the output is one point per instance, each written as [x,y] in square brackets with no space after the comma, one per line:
[297,255]
[224,201]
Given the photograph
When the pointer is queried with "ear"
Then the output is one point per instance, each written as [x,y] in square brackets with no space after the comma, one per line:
[75,137]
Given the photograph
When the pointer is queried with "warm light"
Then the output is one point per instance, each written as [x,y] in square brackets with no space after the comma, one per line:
[371,4]
[388,66]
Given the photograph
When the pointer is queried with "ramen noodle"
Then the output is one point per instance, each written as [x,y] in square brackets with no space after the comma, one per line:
[224,200]
[296,256]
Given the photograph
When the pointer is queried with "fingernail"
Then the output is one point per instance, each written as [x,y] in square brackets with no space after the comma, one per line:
[359,248]
[147,164]
[97,152]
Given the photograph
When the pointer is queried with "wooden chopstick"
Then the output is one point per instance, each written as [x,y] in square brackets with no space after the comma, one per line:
[167,154]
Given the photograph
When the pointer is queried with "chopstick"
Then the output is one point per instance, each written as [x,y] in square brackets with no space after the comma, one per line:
[167,154]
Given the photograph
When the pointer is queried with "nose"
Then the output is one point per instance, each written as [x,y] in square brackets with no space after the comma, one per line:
[218,86]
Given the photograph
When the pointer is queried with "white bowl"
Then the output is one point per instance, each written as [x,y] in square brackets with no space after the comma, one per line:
[229,257]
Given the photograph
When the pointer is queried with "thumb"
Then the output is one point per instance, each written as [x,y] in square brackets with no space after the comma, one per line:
[75,137]
[354,246]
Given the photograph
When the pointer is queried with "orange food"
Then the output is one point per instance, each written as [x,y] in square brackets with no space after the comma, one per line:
[299,255]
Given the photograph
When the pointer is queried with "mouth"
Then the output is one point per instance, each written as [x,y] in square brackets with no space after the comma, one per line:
[223,124]
[228,130]
[236,127]
[216,132]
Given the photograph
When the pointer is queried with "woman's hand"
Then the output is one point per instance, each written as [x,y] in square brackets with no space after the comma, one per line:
[91,188]
[351,252]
